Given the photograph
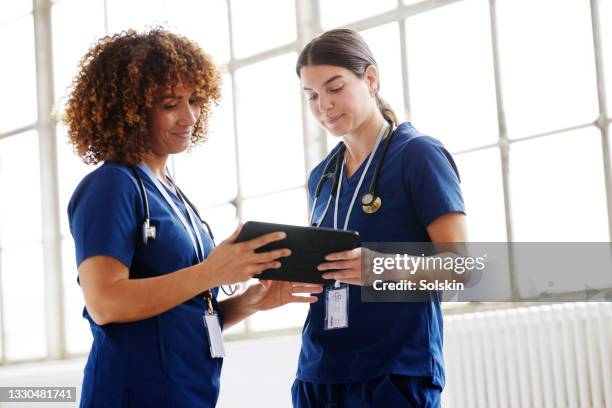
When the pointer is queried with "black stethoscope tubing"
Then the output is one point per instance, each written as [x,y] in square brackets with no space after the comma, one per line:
[145,201]
[148,231]
[336,158]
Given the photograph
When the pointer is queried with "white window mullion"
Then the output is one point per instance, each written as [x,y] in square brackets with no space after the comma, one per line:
[51,235]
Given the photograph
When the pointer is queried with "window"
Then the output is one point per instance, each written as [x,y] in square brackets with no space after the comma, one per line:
[336,13]
[547,66]
[18,79]
[21,263]
[483,194]
[251,28]
[268,114]
[531,168]
[451,74]
[557,188]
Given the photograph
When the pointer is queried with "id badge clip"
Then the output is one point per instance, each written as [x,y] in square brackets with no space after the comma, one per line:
[336,306]
[213,331]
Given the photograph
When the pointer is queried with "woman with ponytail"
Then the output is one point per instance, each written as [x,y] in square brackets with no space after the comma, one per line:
[380,354]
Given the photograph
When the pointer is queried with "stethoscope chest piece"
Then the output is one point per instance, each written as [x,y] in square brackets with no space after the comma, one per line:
[370,203]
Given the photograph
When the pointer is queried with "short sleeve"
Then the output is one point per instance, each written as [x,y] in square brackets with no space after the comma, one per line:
[432,179]
[103,216]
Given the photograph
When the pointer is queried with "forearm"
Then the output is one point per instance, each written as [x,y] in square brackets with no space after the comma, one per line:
[129,300]
[235,309]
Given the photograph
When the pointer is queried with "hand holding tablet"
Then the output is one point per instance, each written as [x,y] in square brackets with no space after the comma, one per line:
[308,246]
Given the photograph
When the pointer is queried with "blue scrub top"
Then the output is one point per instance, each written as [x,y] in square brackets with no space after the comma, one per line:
[418,182]
[163,361]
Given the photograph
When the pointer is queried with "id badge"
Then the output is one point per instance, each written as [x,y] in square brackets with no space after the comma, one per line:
[336,307]
[215,338]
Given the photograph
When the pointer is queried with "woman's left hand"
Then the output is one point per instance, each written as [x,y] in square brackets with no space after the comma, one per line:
[268,294]
[347,265]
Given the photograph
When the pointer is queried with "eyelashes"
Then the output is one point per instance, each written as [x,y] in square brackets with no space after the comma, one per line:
[333,90]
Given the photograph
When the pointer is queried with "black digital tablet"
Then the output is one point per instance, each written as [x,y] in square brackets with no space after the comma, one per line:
[308,246]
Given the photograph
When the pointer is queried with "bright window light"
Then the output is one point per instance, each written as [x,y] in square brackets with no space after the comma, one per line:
[23,301]
[547,65]
[14,8]
[18,80]
[202,21]
[340,12]
[269,126]
[384,44]
[20,216]
[252,28]
[207,174]
[288,207]
[72,37]
[135,14]
[451,78]
[557,188]
[483,194]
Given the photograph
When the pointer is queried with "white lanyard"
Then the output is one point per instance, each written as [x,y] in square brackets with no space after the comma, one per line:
[178,213]
[365,170]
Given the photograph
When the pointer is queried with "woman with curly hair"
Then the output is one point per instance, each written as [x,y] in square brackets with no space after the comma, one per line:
[150,278]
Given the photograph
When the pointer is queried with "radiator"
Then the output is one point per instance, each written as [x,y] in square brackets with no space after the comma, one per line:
[540,356]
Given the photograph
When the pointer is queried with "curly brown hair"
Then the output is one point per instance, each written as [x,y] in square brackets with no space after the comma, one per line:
[118,82]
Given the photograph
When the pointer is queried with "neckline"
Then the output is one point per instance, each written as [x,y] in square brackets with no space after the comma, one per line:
[359,170]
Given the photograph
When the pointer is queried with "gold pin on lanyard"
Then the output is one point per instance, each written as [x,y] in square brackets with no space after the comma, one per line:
[208,298]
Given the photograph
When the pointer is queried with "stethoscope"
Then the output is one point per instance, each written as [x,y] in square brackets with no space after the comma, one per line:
[149,232]
[370,201]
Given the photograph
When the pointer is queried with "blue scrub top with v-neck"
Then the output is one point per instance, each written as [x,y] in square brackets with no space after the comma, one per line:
[162,361]
[418,183]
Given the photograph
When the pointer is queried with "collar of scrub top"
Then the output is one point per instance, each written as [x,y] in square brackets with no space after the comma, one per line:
[337,181]
[195,241]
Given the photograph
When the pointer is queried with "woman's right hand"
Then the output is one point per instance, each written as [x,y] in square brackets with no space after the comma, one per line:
[232,262]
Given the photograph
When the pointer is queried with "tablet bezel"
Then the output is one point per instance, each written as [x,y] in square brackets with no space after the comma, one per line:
[301,265]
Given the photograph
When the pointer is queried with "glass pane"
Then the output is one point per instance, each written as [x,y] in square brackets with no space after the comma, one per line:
[564,198]
[78,335]
[23,301]
[204,22]
[548,72]
[72,37]
[208,173]
[288,207]
[384,43]
[253,34]
[20,181]
[14,8]
[71,171]
[483,194]
[269,126]
[335,13]
[18,79]
[135,14]
[332,141]
[291,315]
[222,220]
[451,79]
[606,29]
